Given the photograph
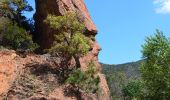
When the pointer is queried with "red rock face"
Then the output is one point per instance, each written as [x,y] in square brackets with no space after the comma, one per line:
[59,7]
[45,34]
[8,70]
[15,72]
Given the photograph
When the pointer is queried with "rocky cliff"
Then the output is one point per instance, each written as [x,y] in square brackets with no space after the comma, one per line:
[37,77]
[58,8]
[34,77]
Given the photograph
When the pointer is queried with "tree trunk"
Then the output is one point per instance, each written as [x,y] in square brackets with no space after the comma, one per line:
[77,60]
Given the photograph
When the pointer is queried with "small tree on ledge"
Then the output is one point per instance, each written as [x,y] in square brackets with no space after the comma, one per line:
[69,40]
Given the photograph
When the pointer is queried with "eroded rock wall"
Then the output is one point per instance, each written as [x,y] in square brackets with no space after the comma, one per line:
[44,34]
[59,7]
[35,77]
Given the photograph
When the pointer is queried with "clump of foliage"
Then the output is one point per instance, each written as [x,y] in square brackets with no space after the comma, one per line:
[69,39]
[14,27]
[17,38]
[84,81]
[133,89]
[71,42]
[4,22]
[156,69]
[119,76]
[116,81]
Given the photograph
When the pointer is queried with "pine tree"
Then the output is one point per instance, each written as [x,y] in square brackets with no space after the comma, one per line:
[69,38]
[13,9]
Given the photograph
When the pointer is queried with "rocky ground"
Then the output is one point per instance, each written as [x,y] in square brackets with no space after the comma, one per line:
[36,77]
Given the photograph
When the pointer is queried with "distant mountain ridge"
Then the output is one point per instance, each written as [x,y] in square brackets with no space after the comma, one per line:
[119,76]
[130,69]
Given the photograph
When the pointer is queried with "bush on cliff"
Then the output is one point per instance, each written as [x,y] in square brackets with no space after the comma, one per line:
[14,27]
[17,38]
[84,81]
[69,39]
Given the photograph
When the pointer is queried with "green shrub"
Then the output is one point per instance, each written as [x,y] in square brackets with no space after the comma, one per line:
[69,39]
[4,22]
[13,32]
[133,89]
[85,81]
[17,38]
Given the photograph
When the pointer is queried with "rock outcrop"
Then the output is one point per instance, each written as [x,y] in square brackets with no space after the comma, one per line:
[8,71]
[35,77]
[45,34]
[58,8]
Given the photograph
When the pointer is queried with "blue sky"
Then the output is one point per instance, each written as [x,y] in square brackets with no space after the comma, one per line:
[124,24]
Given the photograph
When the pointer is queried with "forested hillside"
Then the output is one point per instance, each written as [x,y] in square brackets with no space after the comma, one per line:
[120,75]
[130,69]
[145,79]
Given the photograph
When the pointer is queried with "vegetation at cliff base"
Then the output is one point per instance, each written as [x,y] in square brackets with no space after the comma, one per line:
[133,90]
[147,79]
[155,72]
[119,76]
